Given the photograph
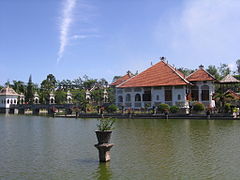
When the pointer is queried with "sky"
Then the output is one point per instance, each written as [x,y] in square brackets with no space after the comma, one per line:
[104,38]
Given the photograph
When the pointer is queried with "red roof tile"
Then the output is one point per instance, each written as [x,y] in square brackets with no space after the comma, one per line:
[200,75]
[122,79]
[234,94]
[160,74]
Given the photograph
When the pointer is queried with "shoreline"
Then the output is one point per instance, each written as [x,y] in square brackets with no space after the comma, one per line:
[151,116]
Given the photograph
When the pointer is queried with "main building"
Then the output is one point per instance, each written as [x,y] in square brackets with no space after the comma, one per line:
[162,83]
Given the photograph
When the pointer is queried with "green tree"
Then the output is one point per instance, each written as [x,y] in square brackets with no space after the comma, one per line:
[111,108]
[222,99]
[47,85]
[78,83]
[238,66]
[185,71]
[224,70]
[97,96]
[88,84]
[60,97]
[213,70]
[80,99]
[19,86]
[111,95]
[30,91]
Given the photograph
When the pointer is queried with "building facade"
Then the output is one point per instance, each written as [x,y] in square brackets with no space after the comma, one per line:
[164,84]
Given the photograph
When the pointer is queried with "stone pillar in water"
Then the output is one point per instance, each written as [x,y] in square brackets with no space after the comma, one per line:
[104,151]
[103,145]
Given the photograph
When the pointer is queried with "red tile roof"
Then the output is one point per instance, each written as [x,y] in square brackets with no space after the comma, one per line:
[122,79]
[7,91]
[234,94]
[160,74]
[200,75]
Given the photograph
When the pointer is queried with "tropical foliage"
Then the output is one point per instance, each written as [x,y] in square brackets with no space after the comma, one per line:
[105,124]
[162,108]
[198,107]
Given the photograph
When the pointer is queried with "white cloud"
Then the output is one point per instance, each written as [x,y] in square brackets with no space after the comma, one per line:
[203,31]
[84,36]
[67,19]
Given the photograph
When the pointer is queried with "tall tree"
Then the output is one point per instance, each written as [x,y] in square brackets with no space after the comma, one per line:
[185,71]
[213,70]
[30,91]
[224,70]
[60,97]
[47,85]
[19,86]
[238,66]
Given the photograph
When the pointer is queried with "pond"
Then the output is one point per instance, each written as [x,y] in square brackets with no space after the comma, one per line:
[35,147]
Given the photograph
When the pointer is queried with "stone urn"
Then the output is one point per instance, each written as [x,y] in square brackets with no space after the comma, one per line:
[103,137]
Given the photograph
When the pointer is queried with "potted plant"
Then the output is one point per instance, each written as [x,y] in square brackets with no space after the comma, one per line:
[104,131]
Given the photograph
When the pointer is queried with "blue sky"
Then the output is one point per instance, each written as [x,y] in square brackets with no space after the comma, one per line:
[104,38]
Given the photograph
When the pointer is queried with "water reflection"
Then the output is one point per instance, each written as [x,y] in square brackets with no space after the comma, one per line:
[103,172]
[43,148]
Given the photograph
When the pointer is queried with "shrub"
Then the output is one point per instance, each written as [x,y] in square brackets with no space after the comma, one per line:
[197,106]
[227,107]
[235,110]
[111,108]
[163,108]
[174,109]
[105,124]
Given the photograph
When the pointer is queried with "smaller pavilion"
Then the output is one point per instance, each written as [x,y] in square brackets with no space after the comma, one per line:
[7,97]
[51,98]
[36,98]
[21,99]
[229,83]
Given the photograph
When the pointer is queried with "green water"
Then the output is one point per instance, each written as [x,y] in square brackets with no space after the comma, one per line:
[34,148]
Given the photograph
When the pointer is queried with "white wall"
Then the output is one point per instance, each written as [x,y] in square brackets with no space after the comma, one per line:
[211,85]
[5,101]
[159,91]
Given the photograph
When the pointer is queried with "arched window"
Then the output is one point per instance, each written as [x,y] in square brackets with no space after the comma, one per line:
[137,97]
[120,99]
[15,101]
[52,100]
[205,93]
[179,97]
[11,101]
[194,92]
[128,97]
[7,101]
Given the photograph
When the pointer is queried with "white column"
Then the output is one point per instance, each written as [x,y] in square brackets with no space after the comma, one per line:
[199,93]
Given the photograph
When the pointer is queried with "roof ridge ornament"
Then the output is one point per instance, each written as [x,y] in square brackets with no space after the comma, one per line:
[163,58]
[201,66]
